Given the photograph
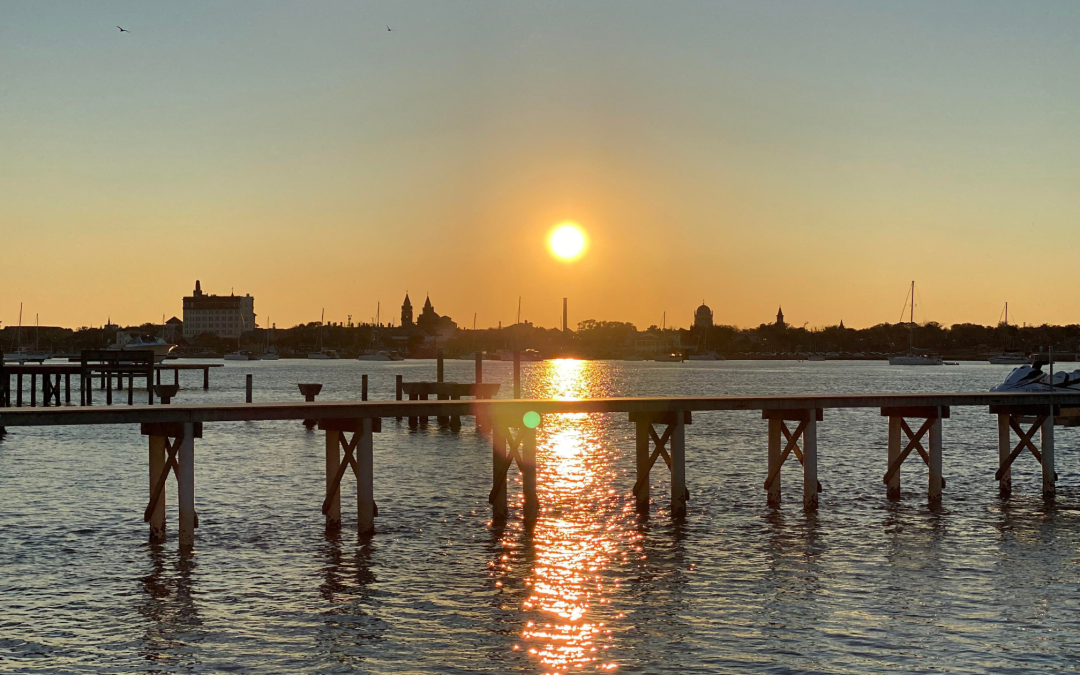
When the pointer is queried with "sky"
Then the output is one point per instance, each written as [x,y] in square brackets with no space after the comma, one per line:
[812,154]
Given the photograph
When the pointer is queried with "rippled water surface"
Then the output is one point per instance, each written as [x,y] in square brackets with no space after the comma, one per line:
[864,586]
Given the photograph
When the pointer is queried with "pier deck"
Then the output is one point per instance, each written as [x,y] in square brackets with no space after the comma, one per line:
[660,434]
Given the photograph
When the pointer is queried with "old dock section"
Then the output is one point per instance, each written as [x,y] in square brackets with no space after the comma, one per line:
[915,426]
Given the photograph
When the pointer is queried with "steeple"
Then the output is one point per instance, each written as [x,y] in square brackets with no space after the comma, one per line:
[427,303]
[406,312]
[841,324]
[780,317]
[198,289]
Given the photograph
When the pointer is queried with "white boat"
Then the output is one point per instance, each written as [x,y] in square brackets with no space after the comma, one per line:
[375,356]
[237,356]
[1033,379]
[674,357]
[915,360]
[270,354]
[324,355]
[143,343]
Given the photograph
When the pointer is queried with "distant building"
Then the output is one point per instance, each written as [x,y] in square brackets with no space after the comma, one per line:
[174,329]
[703,317]
[433,324]
[780,318]
[406,312]
[226,316]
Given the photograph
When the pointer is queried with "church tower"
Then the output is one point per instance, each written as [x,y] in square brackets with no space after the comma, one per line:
[780,318]
[406,312]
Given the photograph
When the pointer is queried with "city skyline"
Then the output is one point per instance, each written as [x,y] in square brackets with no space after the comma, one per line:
[756,154]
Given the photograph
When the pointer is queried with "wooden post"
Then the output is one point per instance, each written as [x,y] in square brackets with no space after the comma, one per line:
[479,367]
[895,448]
[774,460]
[934,494]
[131,388]
[33,390]
[176,376]
[643,451]
[363,387]
[414,422]
[206,377]
[424,419]
[247,386]
[18,390]
[439,366]
[157,466]
[1049,476]
[186,485]
[108,389]
[46,389]
[444,420]
[158,374]
[679,495]
[365,481]
[517,374]
[499,509]
[102,379]
[67,388]
[333,492]
[528,473]
[810,479]
[397,390]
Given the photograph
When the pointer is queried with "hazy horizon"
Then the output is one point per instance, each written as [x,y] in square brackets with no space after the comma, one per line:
[817,156]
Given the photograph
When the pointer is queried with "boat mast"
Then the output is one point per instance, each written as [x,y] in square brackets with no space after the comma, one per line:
[911,322]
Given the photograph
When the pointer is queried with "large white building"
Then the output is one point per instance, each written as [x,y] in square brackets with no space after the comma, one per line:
[224,315]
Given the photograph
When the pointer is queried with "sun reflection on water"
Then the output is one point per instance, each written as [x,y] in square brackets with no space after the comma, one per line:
[579,532]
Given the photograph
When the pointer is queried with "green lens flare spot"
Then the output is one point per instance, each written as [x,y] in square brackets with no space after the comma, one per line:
[531,419]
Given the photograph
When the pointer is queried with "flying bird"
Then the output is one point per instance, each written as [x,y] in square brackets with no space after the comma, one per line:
[388,28]
[122,30]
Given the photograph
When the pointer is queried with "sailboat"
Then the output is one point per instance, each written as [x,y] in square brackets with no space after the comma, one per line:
[911,358]
[239,354]
[18,353]
[323,354]
[1009,356]
[271,353]
[371,353]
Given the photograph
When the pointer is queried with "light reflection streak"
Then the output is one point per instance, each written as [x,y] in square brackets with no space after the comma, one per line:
[578,533]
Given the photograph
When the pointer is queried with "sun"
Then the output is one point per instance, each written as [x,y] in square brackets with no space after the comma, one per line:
[567,241]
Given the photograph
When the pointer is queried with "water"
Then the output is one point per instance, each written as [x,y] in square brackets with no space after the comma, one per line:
[863,586]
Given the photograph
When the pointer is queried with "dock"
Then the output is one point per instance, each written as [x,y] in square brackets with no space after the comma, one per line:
[916,426]
[56,378]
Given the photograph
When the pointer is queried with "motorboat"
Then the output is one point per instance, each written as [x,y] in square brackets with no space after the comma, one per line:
[323,355]
[915,360]
[1033,379]
[375,356]
[674,357]
[707,356]
[142,343]
[1011,359]
[22,357]
[238,356]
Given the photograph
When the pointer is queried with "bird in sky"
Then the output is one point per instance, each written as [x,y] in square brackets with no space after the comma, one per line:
[388,28]
[123,30]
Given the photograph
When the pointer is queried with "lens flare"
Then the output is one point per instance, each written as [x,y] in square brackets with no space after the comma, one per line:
[567,241]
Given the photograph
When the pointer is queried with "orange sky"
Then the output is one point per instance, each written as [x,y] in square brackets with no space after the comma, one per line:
[814,155]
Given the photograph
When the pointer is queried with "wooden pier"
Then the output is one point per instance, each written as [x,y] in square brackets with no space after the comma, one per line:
[56,379]
[661,431]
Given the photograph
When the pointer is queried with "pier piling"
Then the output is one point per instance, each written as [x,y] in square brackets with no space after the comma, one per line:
[247,386]
[931,429]
[362,465]
[1012,418]
[185,485]
[806,431]
[671,446]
